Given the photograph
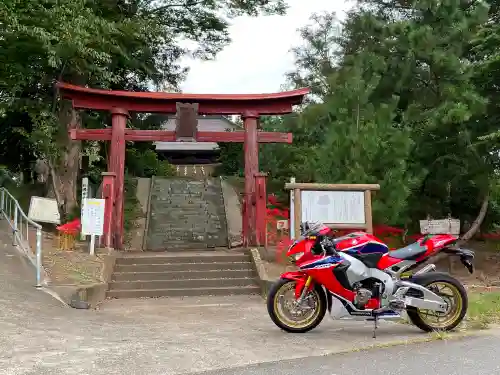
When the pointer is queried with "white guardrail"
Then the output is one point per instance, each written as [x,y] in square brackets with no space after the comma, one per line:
[21,226]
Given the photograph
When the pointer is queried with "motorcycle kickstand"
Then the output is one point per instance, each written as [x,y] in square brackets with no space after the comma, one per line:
[375,326]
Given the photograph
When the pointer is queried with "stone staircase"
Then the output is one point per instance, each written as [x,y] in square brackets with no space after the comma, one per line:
[186,213]
[208,273]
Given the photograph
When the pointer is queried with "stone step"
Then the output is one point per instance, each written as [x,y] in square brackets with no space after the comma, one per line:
[188,205]
[177,240]
[181,284]
[182,275]
[201,216]
[184,189]
[180,246]
[184,204]
[188,208]
[182,292]
[167,267]
[181,198]
[188,211]
[179,258]
[194,206]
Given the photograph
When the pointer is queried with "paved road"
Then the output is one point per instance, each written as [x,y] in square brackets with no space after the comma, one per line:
[473,355]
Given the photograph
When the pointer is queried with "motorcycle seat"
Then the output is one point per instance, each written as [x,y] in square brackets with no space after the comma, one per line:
[410,252]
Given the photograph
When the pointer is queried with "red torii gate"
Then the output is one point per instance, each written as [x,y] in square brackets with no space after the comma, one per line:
[119,103]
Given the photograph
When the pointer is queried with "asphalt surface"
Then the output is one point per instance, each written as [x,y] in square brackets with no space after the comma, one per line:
[472,355]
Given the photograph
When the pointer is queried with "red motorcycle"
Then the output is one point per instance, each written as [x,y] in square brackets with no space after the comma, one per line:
[355,276]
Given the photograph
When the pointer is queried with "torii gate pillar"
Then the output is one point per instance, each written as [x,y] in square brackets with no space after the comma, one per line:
[251,152]
[117,165]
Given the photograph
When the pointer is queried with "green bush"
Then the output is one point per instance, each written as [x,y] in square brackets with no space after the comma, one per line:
[145,163]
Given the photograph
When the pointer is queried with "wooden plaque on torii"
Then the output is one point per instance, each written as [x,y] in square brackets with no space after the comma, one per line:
[186,122]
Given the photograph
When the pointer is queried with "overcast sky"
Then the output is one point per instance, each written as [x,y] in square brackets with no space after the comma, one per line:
[269,40]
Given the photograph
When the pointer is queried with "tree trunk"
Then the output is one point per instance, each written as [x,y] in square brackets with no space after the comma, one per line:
[479,220]
[64,172]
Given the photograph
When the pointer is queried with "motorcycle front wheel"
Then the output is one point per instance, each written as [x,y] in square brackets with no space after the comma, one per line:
[290,316]
[453,293]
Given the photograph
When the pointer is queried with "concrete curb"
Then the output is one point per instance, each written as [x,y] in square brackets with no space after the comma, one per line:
[264,282]
[417,340]
[87,296]
[481,288]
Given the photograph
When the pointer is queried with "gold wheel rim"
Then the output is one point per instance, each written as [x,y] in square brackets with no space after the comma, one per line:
[312,296]
[453,300]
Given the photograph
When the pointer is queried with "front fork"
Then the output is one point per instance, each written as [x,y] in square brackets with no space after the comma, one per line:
[301,289]
[303,284]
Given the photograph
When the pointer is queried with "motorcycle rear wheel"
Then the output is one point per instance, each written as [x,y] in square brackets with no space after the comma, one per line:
[287,323]
[456,299]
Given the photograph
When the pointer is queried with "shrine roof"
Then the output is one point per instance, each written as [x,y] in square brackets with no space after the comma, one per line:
[210,104]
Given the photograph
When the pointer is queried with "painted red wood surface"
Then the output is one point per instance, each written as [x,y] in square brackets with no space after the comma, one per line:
[117,165]
[251,155]
[169,136]
[108,194]
[209,104]
[261,208]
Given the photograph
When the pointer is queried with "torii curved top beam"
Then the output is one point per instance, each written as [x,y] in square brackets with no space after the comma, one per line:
[209,104]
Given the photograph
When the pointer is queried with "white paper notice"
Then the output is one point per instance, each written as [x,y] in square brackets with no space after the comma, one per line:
[93,217]
[333,207]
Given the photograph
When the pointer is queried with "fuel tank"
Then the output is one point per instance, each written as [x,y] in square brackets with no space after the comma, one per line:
[360,243]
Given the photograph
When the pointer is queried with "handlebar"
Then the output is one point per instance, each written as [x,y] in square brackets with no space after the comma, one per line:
[329,245]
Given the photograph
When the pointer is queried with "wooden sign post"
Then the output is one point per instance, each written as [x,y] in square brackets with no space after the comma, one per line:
[339,206]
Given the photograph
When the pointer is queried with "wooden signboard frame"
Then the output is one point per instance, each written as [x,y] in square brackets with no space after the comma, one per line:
[366,189]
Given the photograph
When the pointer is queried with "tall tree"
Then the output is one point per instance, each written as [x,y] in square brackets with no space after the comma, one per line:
[112,44]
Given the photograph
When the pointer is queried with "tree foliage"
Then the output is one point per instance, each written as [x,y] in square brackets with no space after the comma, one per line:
[405,94]
[132,45]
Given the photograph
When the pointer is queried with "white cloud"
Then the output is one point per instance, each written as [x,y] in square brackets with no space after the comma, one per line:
[258,57]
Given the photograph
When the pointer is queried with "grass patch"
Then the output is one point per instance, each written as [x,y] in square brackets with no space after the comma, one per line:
[484,309]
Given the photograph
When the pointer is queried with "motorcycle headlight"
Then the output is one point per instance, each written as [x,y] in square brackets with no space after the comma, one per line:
[297,256]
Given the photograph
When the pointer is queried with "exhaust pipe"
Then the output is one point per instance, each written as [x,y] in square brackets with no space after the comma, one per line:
[427,268]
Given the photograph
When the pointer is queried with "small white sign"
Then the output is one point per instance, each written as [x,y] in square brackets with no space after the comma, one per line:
[44,210]
[443,226]
[281,224]
[93,217]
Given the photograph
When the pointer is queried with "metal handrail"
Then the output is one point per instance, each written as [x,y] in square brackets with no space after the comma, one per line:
[20,223]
